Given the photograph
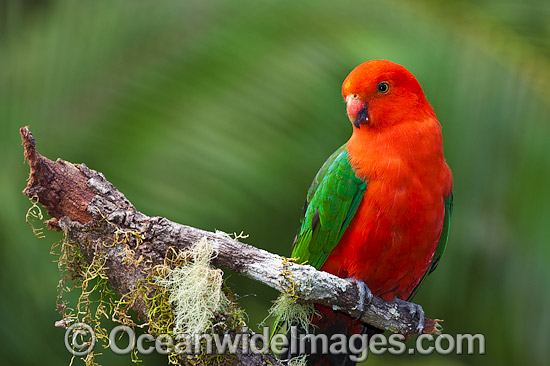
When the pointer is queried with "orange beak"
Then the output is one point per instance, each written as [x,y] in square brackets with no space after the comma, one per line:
[357,109]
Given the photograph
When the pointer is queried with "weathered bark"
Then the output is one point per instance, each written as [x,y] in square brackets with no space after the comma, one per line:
[79,199]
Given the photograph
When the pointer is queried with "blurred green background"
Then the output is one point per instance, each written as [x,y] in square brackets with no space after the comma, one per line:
[217,114]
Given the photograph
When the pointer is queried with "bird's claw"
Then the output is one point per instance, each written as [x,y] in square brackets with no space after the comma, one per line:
[414,310]
[365,296]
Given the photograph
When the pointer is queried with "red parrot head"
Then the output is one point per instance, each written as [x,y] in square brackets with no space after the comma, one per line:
[380,93]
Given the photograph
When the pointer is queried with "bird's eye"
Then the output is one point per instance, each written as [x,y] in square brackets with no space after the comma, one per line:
[383,87]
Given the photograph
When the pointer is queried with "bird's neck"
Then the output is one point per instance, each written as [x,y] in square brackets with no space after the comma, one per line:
[414,146]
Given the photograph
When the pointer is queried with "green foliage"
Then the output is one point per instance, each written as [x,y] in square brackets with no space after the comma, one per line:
[218,114]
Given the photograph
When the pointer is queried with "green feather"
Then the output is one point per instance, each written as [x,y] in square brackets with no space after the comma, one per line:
[331,203]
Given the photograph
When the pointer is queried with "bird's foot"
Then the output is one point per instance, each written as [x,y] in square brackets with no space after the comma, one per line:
[365,296]
[414,310]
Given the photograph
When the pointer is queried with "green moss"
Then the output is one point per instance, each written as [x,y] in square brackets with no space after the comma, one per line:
[34,214]
[184,294]
[286,309]
[289,311]
[298,361]
[88,279]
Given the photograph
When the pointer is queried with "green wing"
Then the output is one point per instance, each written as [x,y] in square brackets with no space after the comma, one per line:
[331,203]
[442,243]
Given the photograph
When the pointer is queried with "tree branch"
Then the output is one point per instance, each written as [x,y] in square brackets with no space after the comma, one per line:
[79,198]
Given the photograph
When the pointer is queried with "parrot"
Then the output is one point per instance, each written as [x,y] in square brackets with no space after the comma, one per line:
[378,210]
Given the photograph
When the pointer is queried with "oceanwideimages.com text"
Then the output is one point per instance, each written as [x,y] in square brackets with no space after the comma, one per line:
[80,340]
